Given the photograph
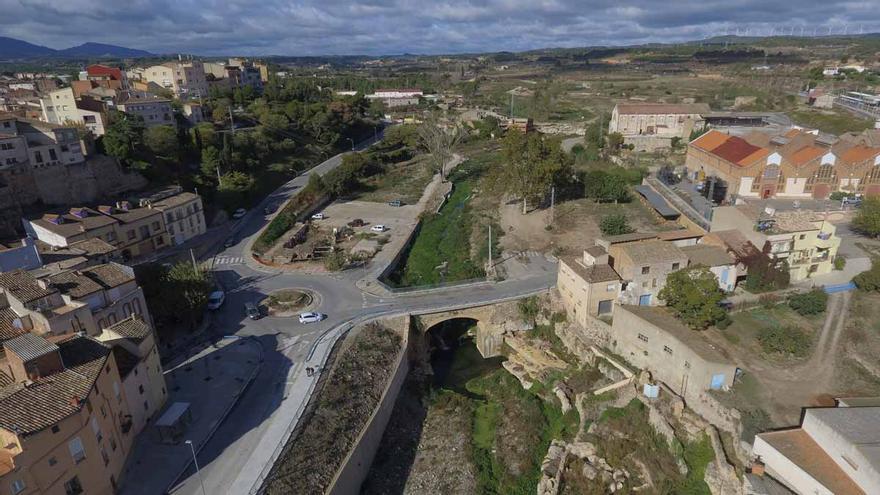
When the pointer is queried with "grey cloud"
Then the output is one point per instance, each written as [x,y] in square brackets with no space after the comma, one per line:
[313,27]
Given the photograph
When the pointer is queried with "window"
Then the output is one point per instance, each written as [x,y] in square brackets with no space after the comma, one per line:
[676,266]
[155,225]
[610,287]
[654,283]
[145,231]
[7,146]
[803,236]
[112,443]
[76,449]
[97,429]
[169,217]
[667,350]
[146,405]
[141,389]
[73,486]
[55,429]
[111,236]
[52,461]
[38,157]
[687,365]
[65,148]
[104,456]
[52,155]
[646,270]
[103,412]
[643,338]
[116,389]
[17,486]
[131,234]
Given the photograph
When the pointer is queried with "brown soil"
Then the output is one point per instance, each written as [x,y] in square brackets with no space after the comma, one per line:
[287,302]
[339,412]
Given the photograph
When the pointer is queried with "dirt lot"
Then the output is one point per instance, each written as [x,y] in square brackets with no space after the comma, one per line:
[576,227]
[397,219]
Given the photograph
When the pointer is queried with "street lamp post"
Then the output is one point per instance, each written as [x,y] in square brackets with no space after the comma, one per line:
[352,143]
[196,462]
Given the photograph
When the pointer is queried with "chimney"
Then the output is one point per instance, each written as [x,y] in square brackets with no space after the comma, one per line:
[758,467]
[42,283]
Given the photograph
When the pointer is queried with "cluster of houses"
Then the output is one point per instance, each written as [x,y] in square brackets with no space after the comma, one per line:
[80,375]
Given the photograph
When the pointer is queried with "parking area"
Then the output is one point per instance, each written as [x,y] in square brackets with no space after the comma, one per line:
[398,220]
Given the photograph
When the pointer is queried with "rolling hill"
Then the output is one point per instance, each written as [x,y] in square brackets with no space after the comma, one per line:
[11,48]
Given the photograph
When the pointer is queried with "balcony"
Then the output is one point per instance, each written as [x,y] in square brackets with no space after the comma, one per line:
[826,240]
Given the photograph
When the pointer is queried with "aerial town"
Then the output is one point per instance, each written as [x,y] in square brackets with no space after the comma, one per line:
[649,266]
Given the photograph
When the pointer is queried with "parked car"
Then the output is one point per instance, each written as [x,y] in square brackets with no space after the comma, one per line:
[357,222]
[252,311]
[395,203]
[270,208]
[239,213]
[379,228]
[216,299]
[311,317]
[318,216]
[229,242]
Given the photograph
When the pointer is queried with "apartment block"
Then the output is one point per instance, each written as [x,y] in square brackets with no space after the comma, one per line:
[152,109]
[185,78]
[63,107]
[184,214]
[804,240]
[136,232]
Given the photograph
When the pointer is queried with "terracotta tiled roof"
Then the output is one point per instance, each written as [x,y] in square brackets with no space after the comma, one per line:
[133,327]
[591,274]
[805,155]
[103,70]
[652,252]
[738,151]
[29,346]
[858,154]
[23,286]
[710,140]
[109,275]
[27,409]
[7,329]
[74,284]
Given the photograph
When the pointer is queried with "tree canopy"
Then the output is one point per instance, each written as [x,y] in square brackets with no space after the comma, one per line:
[693,296]
[123,135]
[530,167]
[868,218]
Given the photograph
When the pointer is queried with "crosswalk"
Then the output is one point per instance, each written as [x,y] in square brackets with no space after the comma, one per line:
[228,260]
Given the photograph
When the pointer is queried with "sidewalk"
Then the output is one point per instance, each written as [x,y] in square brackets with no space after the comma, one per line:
[212,382]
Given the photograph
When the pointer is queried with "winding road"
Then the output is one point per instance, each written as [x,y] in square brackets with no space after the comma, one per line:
[238,455]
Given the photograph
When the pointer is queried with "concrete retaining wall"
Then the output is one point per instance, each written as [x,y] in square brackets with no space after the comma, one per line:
[356,466]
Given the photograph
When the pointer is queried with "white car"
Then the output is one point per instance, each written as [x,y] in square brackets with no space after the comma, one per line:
[378,228]
[216,299]
[239,213]
[311,317]
[318,216]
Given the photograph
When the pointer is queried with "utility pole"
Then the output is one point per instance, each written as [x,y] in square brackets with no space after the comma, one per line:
[490,244]
[231,121]
[511,105]
[193,257]
[552,204]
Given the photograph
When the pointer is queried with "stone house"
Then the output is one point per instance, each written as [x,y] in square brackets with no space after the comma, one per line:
[587,284]
[651,338]
[643,267]
[721,263]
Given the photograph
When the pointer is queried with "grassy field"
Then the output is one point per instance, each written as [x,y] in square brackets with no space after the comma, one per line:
[749,326]
[405,181]
[834,122]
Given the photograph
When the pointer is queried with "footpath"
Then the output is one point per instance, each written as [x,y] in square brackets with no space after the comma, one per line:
[211,381]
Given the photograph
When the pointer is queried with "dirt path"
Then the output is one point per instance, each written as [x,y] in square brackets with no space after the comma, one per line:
[787,388]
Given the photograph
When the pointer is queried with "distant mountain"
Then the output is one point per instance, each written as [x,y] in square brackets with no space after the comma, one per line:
[103,50]
[11,48]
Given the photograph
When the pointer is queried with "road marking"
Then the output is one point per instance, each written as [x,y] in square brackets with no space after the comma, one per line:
[228,260]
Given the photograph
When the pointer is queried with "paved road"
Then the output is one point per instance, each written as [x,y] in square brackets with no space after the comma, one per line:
[232,460]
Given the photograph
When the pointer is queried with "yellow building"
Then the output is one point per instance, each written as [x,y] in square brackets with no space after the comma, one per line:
[64,419]
[803,239]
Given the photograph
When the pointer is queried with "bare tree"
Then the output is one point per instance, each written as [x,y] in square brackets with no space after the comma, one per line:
[438,138]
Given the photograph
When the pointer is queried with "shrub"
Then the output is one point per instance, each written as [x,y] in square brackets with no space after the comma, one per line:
[809,303]
[528,308]
[839,263]
[724,323]
[868,280]
[615,224]
[791,341]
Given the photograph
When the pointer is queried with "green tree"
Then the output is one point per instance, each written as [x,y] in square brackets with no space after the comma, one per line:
[868,218]
[210,161]
[123,135]
[438,139]
[235,187]
[615,224]
[615,141]
[693,296]
[601,186]
[764,274]
[809,303]
[176,295]
[162,141]
[531,165]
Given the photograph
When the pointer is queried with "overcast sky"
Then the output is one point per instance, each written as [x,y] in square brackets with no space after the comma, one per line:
[376,27]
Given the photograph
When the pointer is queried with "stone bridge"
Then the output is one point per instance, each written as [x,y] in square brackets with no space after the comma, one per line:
[492,321]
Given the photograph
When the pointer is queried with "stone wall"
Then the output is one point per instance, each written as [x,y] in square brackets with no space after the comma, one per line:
[354,468]
[97,178]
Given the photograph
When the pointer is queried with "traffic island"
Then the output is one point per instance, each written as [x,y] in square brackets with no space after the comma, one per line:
[286,303]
